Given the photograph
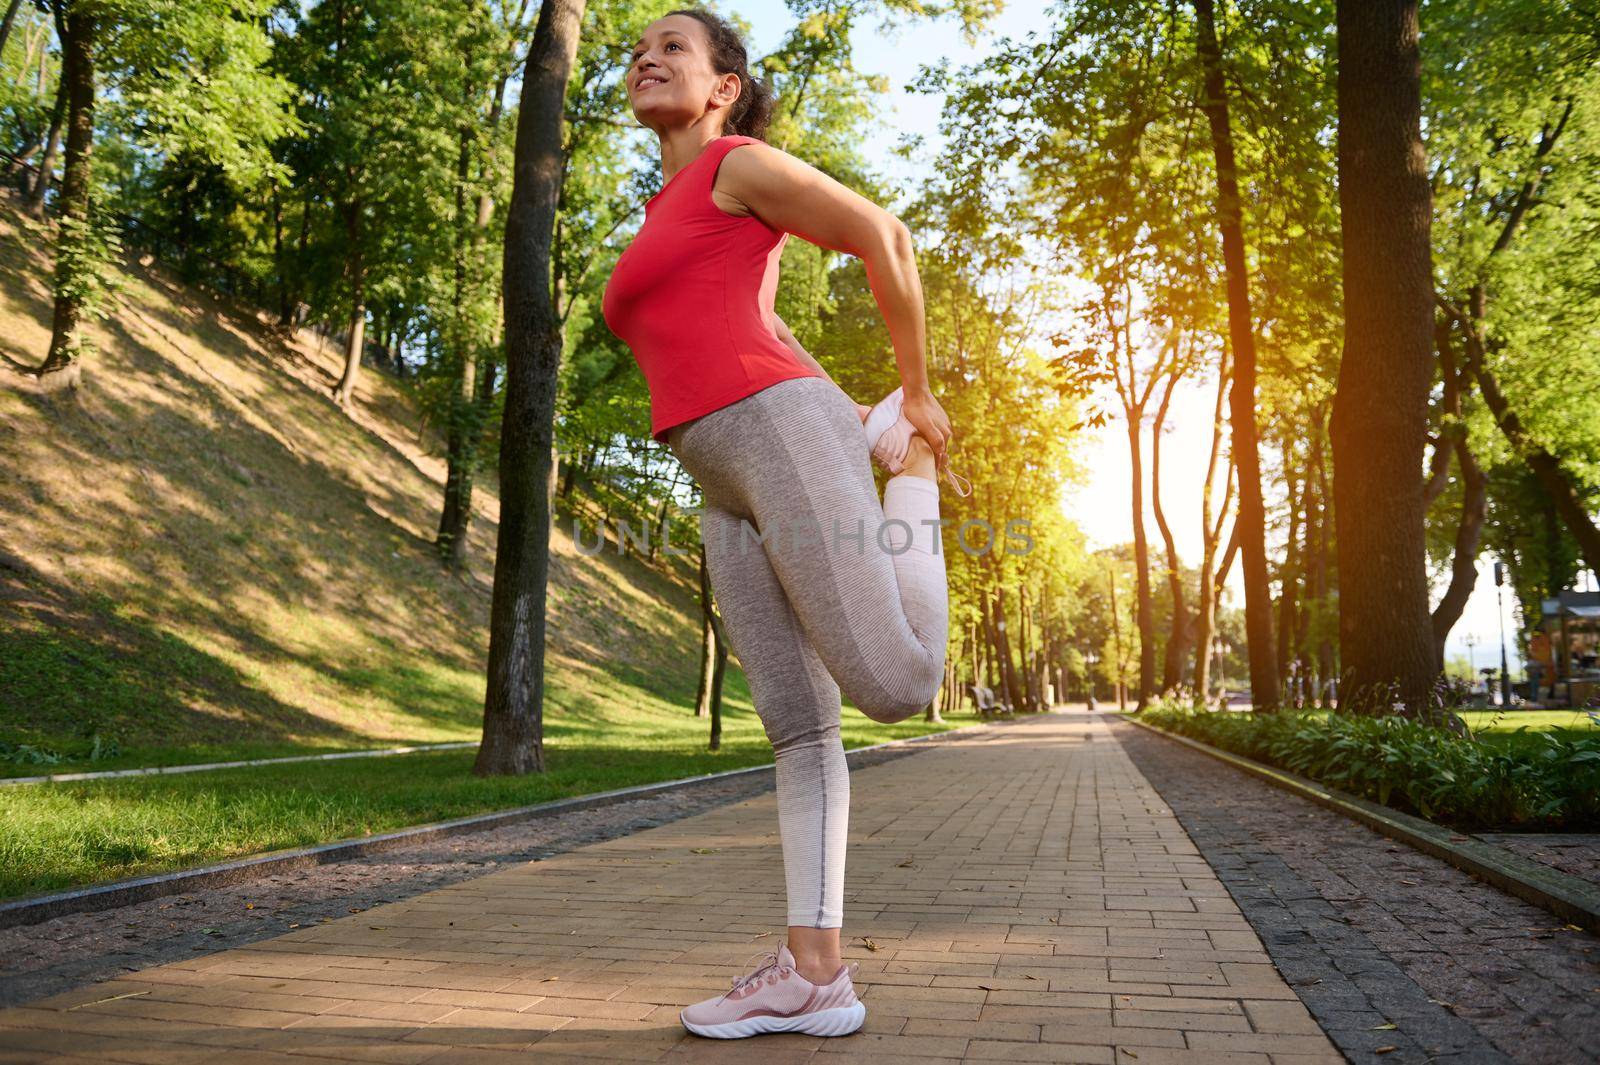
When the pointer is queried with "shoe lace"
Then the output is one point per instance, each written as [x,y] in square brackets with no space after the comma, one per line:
[769,961]
[956,480]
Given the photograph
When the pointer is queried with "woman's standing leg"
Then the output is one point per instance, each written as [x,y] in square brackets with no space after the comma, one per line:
[798,703]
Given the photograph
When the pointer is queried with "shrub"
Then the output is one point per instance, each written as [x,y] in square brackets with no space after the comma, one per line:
[1551,784]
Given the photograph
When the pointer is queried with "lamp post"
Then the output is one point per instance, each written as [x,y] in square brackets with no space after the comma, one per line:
[1500,612]
[1471,640]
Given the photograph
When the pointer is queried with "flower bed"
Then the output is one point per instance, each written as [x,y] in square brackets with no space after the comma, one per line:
[1549,783]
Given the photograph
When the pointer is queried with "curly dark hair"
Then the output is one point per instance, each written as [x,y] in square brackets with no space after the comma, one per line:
[750,113]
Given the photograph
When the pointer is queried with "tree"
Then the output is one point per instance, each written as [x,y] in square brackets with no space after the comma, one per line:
[1213,517]
[513,726]
[127,44]
[1379,425]
[1252,521]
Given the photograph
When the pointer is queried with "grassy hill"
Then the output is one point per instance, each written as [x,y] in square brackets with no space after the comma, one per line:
[200,549]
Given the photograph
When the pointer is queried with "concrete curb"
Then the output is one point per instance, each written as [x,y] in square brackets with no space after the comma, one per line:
[37,908]
[1568,897]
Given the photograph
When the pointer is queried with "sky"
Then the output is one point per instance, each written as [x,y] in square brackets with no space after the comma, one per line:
[1102,506]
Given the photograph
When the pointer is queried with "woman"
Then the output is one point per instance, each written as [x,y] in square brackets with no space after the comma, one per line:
[860,603]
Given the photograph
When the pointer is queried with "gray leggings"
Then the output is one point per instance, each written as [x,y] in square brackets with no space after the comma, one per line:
[822,590]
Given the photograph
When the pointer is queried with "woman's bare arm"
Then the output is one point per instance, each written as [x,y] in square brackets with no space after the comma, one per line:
[797,198]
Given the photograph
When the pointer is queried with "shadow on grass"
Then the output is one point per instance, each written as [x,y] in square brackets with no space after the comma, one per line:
[77,667]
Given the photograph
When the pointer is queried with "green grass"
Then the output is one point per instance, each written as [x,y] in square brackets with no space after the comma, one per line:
[1526,726]
[55,836]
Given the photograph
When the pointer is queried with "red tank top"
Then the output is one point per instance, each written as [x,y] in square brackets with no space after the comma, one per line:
[692,296]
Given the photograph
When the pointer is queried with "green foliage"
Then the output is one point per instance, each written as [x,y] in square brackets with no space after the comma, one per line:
[1548,783]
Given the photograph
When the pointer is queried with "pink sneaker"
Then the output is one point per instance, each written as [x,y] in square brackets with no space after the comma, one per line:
[775,998]
[889,436]
[888,432]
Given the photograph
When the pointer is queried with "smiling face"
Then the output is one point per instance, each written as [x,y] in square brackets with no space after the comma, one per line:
[671,81]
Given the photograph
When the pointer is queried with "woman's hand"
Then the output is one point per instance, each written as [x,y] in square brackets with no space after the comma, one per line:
[924,412]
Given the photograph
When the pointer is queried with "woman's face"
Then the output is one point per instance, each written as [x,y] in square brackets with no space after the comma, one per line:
[670,80]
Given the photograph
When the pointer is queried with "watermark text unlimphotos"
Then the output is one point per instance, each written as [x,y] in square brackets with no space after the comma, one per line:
[892,536]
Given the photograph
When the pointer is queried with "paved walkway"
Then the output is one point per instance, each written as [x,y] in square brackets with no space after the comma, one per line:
[1020,894]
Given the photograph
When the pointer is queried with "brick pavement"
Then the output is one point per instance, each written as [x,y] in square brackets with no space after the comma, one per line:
[1021,894]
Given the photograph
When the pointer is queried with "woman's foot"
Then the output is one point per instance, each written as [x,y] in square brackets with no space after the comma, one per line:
[774,997]
[888,432]
[919,461]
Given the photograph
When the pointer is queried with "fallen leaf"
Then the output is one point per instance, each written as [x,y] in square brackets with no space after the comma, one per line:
[1128,1052]
[211,931]
[549,979]
[378,927]
[906,864]
[1385,1050]
[1383,1028]
[294,926]
[869,944]
[1409,883]
[703,850]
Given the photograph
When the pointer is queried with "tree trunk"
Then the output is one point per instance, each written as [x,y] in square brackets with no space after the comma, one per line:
[1210,537]
[279,267]
[1141,567]
[34,204]
[513,726]
[1002,650]
[1474,505]
[10,20]
[708,643]
[357,335]
[1380,407]
[78,29]
[1251,524]
[1327,666]
[461,434]
[1289,576]
[1025,647]
[1172,662]
[1116,634]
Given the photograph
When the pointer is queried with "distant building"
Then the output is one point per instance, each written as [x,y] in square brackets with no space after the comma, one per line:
[1564,650]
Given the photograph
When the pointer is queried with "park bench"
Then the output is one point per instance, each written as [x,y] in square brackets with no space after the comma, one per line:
[985,702]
